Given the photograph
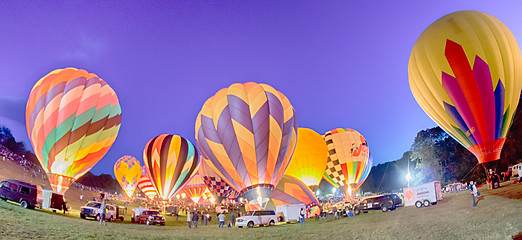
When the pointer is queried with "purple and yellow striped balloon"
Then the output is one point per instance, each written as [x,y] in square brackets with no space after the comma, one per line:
[248,132]
[72,118]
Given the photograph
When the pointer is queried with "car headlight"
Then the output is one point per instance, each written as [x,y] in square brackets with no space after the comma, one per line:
[239,220]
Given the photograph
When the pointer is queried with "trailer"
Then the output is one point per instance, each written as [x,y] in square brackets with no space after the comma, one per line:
[289,213]
[48,199]
[423,195]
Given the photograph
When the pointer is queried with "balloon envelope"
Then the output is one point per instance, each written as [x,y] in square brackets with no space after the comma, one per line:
[195,188]
[145,185]
[465,72]
[170,161]
[291,191]
[248,132]
[216,185]
[348,155]
[127,171]
[72,119]
[309,158]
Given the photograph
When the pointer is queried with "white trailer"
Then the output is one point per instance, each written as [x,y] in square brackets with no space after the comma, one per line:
[289,213]
[423,195]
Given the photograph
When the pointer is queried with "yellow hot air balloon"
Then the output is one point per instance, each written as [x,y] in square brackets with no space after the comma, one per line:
[465,72]
[127,170]
[309,159]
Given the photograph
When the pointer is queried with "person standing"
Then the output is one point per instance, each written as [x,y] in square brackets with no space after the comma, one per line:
[103,209]
[189,219]
[301,216]
[195,219]
[221,218]
[233,217]
[474,192]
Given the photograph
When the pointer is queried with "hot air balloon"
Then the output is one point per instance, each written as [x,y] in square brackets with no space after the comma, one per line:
[217,186]
[309,159]
[127,171]
[72,119]
[170,161]
[366,172]
[195,188]
[347,158]
[145,185]
[248,132]
[291,191]
[465,72]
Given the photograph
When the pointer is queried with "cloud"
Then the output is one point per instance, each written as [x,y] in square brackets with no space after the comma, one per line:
[86,48]
[13,108]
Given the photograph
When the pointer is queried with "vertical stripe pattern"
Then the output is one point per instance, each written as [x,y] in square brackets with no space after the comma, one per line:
[170,161]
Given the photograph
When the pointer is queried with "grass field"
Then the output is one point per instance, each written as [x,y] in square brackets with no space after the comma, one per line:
[497,216]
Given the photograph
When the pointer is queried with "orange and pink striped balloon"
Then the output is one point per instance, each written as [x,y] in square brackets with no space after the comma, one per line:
[72,118]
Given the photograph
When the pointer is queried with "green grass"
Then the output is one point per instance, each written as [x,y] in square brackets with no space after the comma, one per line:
[497,216]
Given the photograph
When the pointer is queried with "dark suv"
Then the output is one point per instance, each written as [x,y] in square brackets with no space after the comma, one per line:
[382,202]
[18,191]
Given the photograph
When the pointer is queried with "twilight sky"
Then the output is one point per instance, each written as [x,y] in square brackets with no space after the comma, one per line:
[341,63]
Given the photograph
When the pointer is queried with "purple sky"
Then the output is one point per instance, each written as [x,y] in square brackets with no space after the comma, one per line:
[341,63]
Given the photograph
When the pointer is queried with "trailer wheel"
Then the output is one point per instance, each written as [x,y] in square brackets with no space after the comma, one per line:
[426,203]
[418,204]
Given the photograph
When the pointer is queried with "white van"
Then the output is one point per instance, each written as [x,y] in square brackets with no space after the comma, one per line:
[257,217]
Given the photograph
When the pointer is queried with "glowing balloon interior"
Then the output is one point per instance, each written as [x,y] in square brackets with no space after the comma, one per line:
[170,161]
[128,172]
[309,158]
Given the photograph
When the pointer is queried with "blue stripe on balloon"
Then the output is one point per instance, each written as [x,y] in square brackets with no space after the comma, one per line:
[499,109]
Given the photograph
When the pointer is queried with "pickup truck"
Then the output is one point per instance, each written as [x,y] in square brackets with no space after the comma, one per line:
[92,209]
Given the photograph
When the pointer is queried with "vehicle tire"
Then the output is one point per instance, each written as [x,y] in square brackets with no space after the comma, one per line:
[148,222]
[24,204]
[111,219]
[418,204]
[272,223]
[4,199]
[356,211]
[122,218]
[434,203]
[384,209]
[82,216]
[250,224]
[132,220]
[97,218]
[240,226]
[162,224]
[426,203]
